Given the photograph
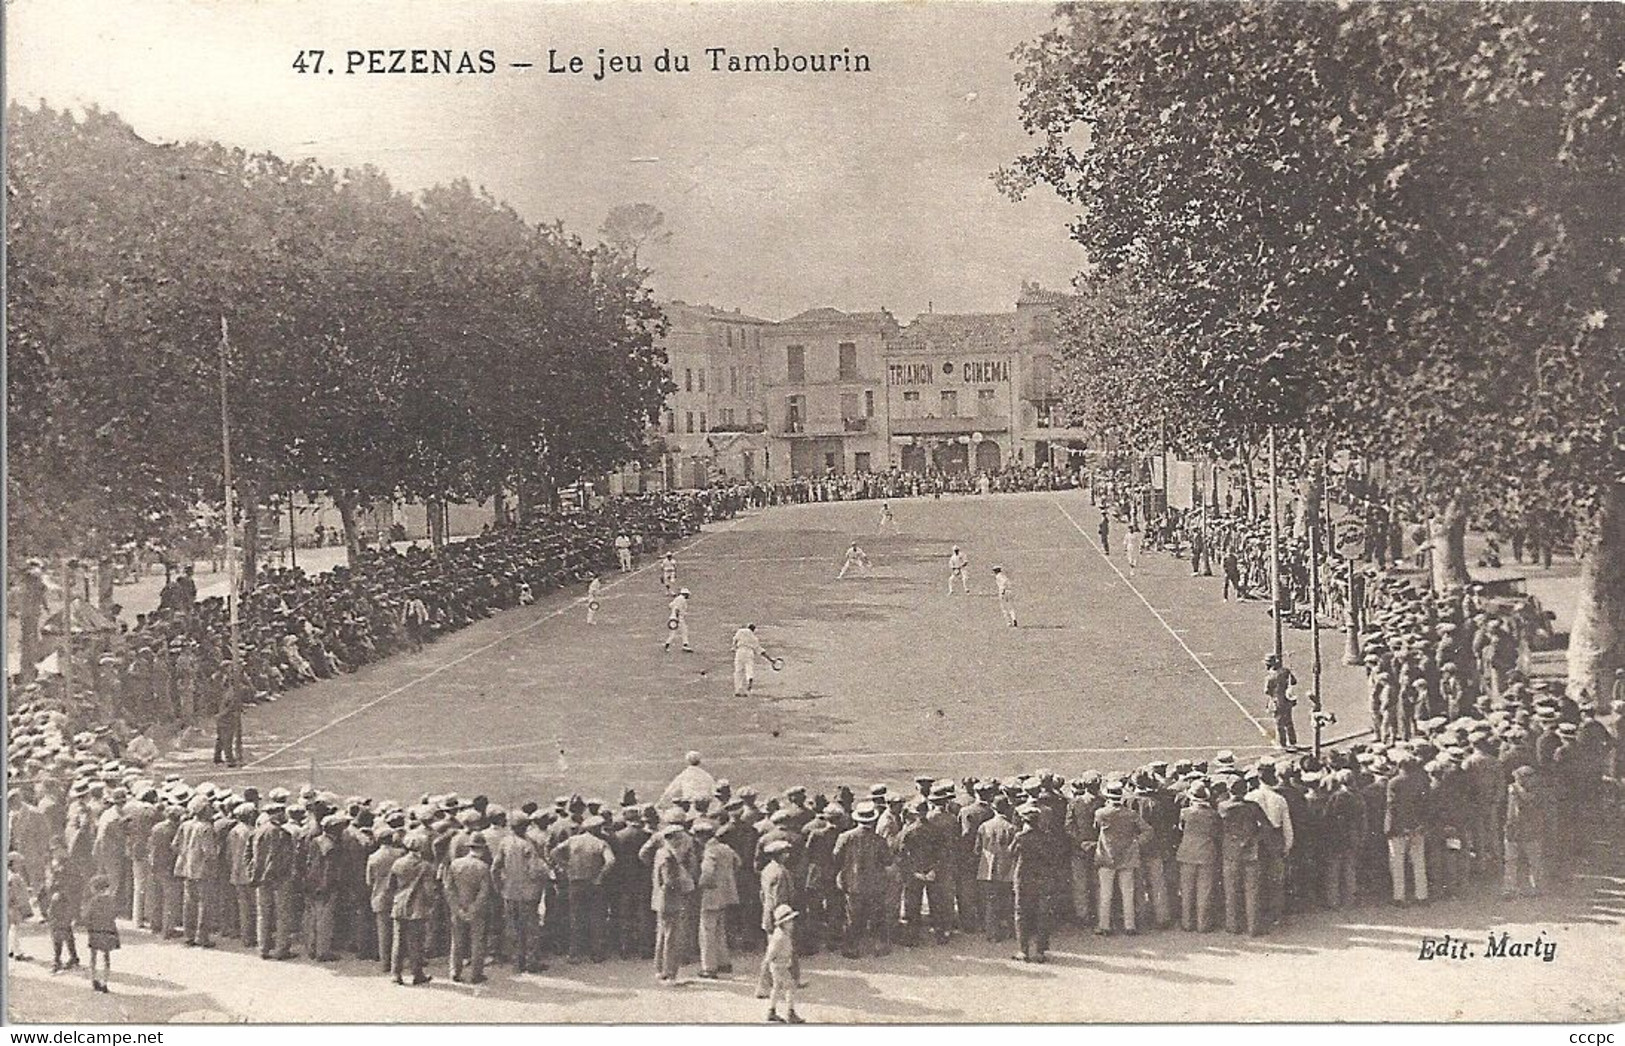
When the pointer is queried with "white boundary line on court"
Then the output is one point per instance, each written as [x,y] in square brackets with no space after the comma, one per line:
[786,758]
[1160,619]
[571,604]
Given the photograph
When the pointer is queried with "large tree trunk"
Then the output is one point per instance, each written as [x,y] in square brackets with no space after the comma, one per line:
[1447,535]
[499,508]
[1597,640]
[352,528]
[435,508]
[105,573]
[251,535]
[527,501]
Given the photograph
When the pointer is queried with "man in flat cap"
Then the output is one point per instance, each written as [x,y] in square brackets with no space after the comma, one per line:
[627,887]
[468,892]
[583,860]
[380,890]
[520,871]
[1405,826]
[239,877]
[416,892]
[197,863]
[778,890]
[322,887]
[719,895]
[270,860]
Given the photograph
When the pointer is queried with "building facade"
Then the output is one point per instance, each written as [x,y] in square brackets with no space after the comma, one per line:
[712,427]
[823,391]
[951,383]
[827,391]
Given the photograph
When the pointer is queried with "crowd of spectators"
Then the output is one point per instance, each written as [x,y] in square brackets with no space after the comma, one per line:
[172,666]
[1473,772]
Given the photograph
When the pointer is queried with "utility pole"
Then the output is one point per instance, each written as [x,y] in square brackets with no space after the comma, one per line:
[1318,486]
[231,500]
[1275,545]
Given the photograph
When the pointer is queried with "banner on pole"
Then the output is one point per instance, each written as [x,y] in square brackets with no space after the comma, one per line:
[1181,484]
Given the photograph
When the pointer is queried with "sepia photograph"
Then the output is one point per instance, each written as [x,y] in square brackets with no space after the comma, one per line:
[561,512]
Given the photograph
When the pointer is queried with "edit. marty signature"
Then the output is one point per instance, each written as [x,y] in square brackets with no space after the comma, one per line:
[1498,946]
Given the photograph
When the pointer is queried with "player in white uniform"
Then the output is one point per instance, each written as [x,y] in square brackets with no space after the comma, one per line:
[957,564]
[855,557]
[668,572]
[595,588]
[677,622]
[623,551]
[1131,547]
[1007,598]
[747,647]
[885,515]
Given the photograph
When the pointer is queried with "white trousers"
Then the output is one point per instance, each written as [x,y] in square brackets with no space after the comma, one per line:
[744,670]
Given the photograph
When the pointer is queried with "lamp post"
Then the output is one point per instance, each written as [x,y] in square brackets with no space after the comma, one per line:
[231,499]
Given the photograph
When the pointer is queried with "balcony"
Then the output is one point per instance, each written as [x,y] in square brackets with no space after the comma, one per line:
[986,423]
[824,428]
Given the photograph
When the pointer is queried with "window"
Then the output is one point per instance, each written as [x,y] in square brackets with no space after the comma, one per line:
[702,381]
[750,381]
[795,413]
[950,403]
[750,417]
[702,421]
[869,403]
[733,381]
[688,379]
[849,361]
[986,406]
[671,421]
[796,364]
[690,421]
[851,417]
[860,461]
[727,416]
[911,404]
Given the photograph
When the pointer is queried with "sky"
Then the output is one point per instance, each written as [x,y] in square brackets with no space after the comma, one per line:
[782,192]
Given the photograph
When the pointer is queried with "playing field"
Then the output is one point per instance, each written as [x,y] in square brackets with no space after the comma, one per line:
[886,676]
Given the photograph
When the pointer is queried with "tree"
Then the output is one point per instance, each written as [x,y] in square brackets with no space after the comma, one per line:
[380,346]
[630,227]
[1382,225]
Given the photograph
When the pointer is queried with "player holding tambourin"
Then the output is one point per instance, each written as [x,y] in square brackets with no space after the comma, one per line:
[1007,599]
[677,622]
[595,588]
[668,572]
[855,557]
[747,646]
[958,563]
